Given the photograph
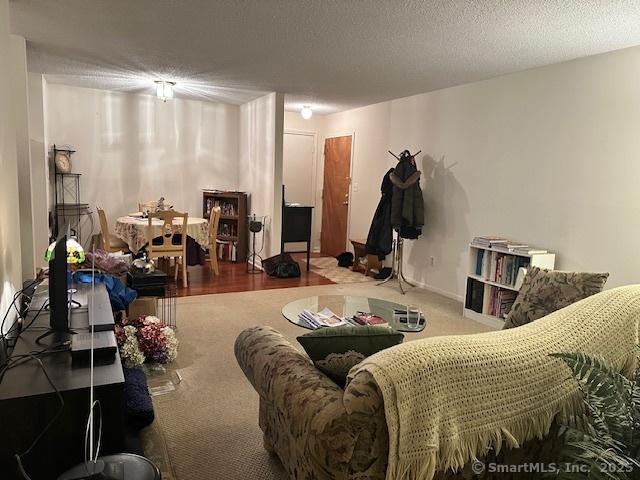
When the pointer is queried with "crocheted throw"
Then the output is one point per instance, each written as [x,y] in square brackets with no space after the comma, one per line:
[449,399]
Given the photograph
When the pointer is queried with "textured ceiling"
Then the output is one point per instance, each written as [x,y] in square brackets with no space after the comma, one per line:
[333,55]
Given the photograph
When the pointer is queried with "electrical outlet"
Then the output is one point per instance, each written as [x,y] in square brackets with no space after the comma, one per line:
[432,261]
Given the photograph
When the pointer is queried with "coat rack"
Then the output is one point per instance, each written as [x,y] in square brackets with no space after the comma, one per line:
[396,264]
[398,243]
[398,157]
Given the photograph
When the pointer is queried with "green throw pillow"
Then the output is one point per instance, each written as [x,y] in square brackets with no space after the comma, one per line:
[334,350]
[545,291]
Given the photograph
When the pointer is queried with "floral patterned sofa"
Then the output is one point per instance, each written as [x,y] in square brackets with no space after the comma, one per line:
[320,431]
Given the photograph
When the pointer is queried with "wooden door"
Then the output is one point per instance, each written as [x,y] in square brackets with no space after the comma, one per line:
[335,195]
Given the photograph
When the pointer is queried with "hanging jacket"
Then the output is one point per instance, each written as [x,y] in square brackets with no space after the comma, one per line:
[380,238]
[407,204]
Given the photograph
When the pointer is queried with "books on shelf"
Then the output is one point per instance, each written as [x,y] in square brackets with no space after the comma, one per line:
[496,268]
[227,207]
[499,267]
[227,229]
[227,251]
[510,246]
[506,245]
[529,251]
[489,241]
[489,299]
[323,318]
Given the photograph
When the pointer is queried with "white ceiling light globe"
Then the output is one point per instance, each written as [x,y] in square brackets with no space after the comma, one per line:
[164,90]
[306,112]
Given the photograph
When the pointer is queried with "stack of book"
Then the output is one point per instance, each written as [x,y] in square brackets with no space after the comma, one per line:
[489,241]
[227,251]
[506,245]
[323,318]
[500,302]
[364,318]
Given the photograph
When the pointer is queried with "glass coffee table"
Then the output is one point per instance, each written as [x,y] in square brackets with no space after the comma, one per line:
[346,306]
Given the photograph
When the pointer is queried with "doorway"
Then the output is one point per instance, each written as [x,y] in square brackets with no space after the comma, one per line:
[335,195]
[298,174]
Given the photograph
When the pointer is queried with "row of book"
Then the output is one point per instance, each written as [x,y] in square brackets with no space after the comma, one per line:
[506,245]
[226,208]
[227,251]
[499,267]
[489,300]
[227,229]
[498,301]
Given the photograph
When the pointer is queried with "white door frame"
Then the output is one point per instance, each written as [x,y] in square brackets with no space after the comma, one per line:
[351,134]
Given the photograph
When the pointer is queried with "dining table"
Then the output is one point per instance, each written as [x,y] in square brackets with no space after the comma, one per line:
[132,229]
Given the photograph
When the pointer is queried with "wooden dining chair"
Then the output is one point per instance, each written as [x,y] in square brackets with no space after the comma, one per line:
[170,247]
[111,243]
[214,220]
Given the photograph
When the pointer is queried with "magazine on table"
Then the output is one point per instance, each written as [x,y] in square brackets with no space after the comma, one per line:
[323,318]
[366,318]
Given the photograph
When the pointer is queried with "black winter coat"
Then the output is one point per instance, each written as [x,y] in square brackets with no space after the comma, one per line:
[380,238]
[407,205]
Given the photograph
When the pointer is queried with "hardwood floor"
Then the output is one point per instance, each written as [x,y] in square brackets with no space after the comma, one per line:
[234,278]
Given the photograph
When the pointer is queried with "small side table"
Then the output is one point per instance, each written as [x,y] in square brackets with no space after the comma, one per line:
[360,252]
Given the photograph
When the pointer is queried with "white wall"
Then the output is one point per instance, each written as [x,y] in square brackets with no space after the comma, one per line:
[135,147]
[19,89]
[549,156]
[261,130]
[39,165]
[10,251]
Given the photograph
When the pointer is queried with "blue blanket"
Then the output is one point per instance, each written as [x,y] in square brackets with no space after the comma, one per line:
[119,294]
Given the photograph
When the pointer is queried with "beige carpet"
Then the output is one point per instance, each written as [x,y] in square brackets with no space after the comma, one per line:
[208,427]
[328,268]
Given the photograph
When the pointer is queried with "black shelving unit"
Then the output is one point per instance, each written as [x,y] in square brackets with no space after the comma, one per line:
[68,208]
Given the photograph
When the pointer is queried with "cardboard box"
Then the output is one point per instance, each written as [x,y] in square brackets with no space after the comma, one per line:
[143,306]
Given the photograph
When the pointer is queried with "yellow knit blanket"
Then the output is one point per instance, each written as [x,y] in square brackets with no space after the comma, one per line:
[449,399]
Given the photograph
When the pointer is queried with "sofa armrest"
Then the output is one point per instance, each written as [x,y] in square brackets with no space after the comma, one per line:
[365,406]
[302,411]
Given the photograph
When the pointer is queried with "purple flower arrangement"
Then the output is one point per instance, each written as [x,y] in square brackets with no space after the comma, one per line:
[146,339]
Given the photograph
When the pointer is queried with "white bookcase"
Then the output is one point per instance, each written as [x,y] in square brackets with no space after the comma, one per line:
[492,281]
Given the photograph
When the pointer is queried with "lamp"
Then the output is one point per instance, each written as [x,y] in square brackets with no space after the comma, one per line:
[75,252]
[306,112]
[164,90]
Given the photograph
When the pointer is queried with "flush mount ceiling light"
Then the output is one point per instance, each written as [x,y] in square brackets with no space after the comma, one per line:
[164,90]
[306,112]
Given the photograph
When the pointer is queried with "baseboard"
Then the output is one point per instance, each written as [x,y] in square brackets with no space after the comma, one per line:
[431,288]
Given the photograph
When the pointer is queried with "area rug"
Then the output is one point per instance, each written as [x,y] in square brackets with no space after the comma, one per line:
[208,426]
[328,268]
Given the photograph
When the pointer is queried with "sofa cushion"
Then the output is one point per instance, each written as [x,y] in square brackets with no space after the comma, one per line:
[545,291]
[335,350]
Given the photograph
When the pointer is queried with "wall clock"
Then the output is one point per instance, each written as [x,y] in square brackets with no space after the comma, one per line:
[63,161]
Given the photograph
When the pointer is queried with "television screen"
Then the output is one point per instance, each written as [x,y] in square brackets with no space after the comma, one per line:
[58,301]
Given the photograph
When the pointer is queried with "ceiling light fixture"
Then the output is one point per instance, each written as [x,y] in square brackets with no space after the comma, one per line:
[164,90]
[306,112]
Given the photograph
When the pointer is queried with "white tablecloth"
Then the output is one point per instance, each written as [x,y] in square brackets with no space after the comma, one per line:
[134,230]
